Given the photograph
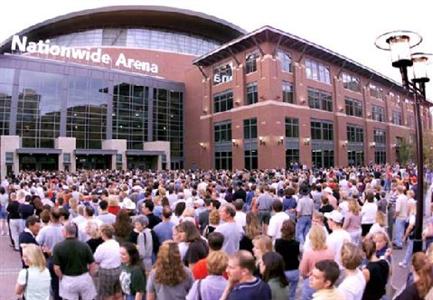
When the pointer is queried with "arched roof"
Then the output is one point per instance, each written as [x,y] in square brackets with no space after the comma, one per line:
[135,16]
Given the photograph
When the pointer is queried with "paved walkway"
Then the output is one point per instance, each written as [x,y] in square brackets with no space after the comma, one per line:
[10,265]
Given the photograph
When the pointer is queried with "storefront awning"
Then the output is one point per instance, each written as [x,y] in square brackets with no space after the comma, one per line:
[144,153]
[95,152]
[38,151]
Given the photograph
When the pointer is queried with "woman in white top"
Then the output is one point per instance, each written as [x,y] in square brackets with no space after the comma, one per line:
[368,213]
[35,281]
[353,284]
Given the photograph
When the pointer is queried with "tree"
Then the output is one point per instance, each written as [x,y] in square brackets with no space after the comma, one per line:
[406,152]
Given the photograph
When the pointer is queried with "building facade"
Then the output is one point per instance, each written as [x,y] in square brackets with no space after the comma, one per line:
[157,87]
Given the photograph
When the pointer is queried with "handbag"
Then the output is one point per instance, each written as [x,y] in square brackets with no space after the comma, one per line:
[22,297]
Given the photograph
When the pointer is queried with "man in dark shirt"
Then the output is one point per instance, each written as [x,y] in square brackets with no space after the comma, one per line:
[147,210]
[73,260]
[28,236]
[242,283]
[240,193]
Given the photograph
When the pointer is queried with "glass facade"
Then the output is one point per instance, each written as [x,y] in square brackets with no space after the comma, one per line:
[251,159]
[142,38]
[91,107]
[6,81]
[130,114]
[87,111]
[168,120]
[38,109]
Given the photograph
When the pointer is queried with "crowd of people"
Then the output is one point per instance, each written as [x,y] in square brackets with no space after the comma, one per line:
[216,234]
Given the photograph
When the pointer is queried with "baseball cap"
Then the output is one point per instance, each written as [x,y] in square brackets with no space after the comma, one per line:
[335,216]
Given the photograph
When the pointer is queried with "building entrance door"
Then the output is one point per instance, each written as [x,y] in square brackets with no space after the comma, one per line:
[48,162]
[97,162]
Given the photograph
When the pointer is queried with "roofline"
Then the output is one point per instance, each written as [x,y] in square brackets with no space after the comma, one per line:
[122,8]
[299,39]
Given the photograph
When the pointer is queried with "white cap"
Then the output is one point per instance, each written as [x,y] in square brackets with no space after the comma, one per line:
[128,204]
[328,190]
[335,216]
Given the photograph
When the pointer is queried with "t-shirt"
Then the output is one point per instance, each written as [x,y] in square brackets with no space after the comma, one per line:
[132,279]
[38,283]
[196,251]
[278,292]
[178,291]
[255,290]
[164,231]
[336,240]
[72,256]
[289,249]
[275,224]
[353,286]
[232,236]
[375,288]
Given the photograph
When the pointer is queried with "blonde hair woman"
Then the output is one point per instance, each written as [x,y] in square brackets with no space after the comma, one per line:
[352,222]
[34,282]
[319,251]
[262,244]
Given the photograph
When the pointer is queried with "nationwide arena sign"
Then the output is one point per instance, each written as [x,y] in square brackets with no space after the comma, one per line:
[94,55]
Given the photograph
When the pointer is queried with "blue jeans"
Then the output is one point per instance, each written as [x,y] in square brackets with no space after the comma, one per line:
[302,227]
[400,225]
[293,279]
[307,291]
[409,251]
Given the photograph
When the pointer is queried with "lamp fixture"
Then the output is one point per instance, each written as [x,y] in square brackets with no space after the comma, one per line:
[307,141]
[235,143]
[262,140]
[281,140]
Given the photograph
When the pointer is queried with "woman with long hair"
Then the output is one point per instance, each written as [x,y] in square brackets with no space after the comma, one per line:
[133,277]
[169,279]
[423,279]
[272,270]
[252,230]
[214,221]
[262,244]
[122,226]
[352,222]
[35,281]
[319,251]
[197,248]
[288,247]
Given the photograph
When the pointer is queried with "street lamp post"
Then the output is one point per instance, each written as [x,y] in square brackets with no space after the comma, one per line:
[400,43]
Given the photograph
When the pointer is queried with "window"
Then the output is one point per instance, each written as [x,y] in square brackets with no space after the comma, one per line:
[322,130]
[292,128]
[380,157]
[355,158]
[288,95]
[378,113]
[251,162]
[379,136]
[353,107]
[411,121]
[223,160]
[397,118]
[317,71]
[223,132]
[251,62]
[285,61]
[223,101]
[250,129]
[223,73]
[376,92]
[252,95]
[351,82]
[292,156]
[323,158]
[355,134]
[319,99]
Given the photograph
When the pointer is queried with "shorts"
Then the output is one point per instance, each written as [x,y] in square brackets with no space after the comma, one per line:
[77,287]
[3,212]
[108,282]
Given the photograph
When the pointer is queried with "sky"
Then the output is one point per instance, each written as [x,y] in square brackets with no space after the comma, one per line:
[346,27]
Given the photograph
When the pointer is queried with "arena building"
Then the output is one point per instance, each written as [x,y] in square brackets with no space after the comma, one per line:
[158,87]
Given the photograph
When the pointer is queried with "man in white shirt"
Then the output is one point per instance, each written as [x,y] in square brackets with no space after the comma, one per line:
[276,221]
[232,233]
[338,236]
[240,217]
[401,215]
